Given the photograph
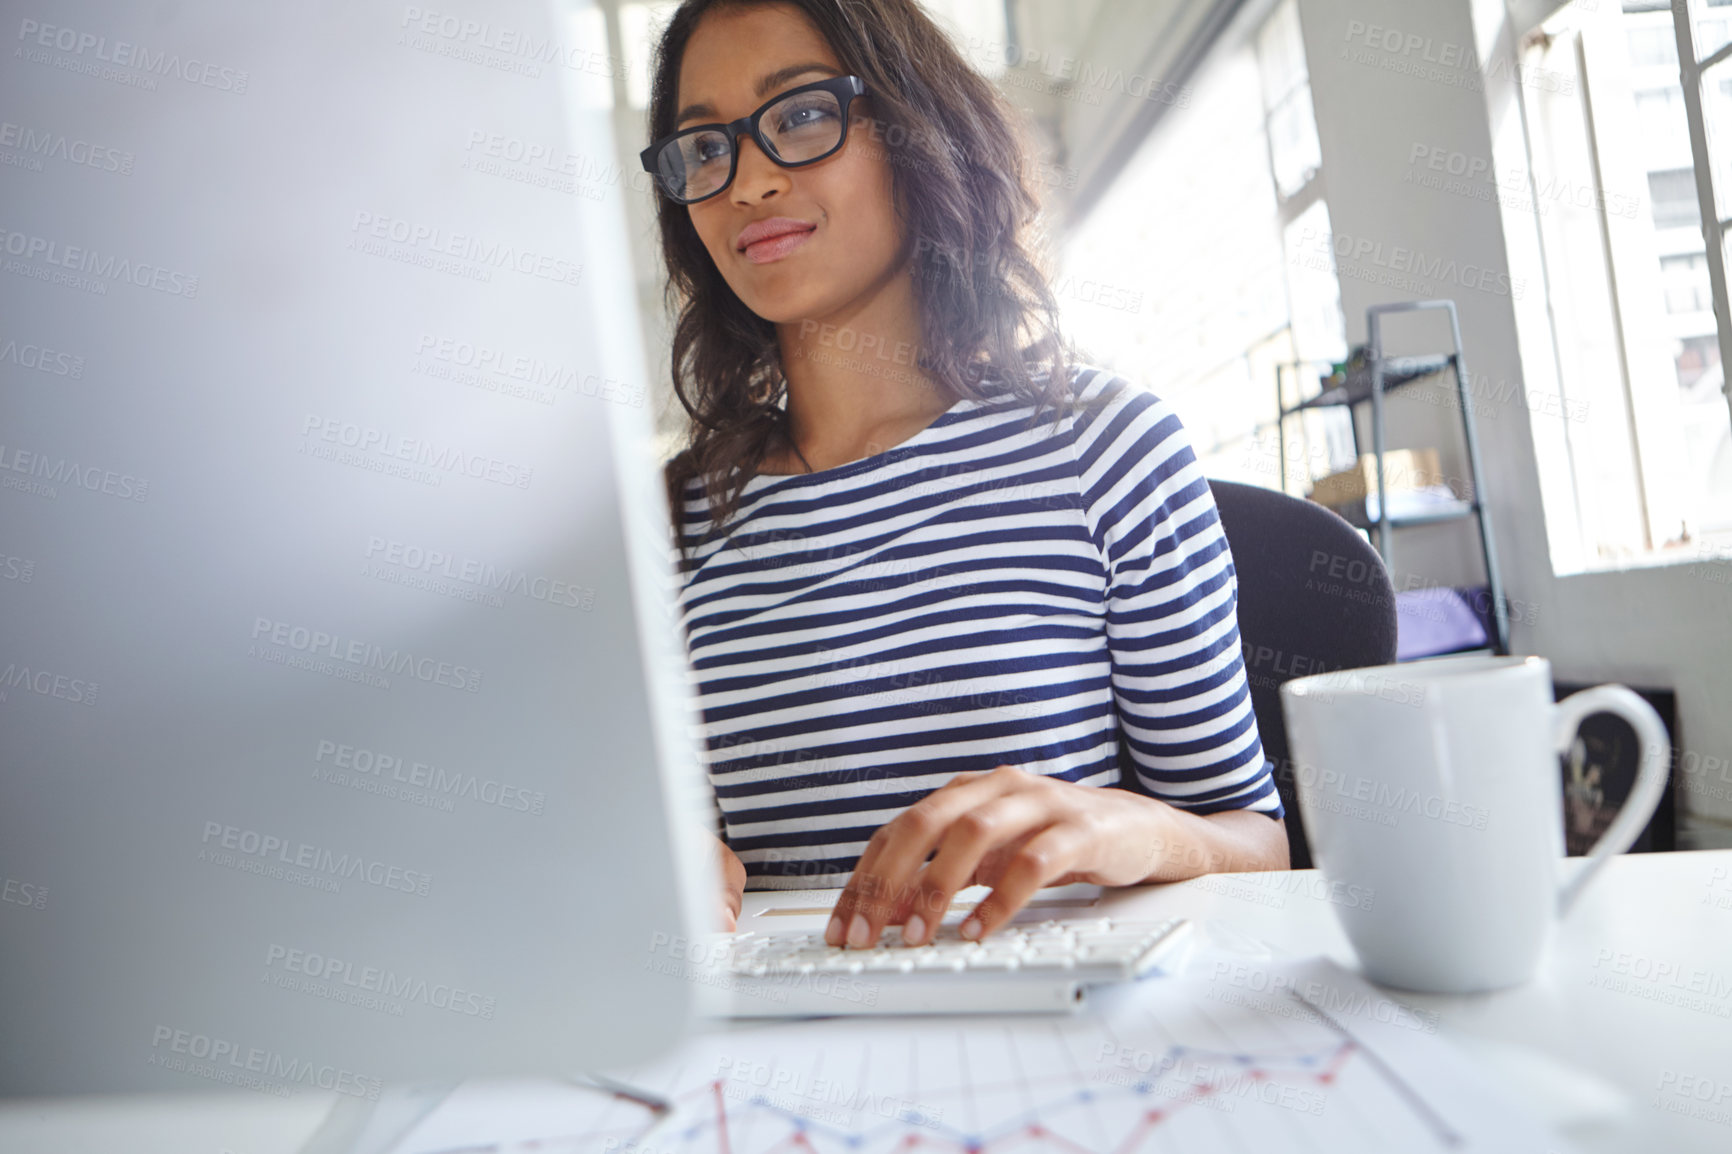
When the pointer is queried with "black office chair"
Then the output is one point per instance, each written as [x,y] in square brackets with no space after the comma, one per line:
[1313,597]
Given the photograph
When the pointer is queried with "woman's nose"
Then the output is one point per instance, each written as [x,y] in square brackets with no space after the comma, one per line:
[755,174]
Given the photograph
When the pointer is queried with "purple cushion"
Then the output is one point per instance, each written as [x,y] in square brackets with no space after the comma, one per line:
[1433,621]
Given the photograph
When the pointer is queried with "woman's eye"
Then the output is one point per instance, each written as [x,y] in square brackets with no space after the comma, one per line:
[797,118]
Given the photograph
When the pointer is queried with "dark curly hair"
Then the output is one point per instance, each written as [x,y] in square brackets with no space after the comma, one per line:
[958,179]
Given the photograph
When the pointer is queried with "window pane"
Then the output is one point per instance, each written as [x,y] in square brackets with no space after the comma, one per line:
[1293,144]
[1177,274]
[1691,333]
[1707,430]
[1686,283]
[1711,35]
[1653,48]
[1564,159]
[1717,118]
[1319,330]
[640,24]
[1665,130]
[1673,195]
[1281,55]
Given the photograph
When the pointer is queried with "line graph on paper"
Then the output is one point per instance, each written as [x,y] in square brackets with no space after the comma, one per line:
[1175,1074]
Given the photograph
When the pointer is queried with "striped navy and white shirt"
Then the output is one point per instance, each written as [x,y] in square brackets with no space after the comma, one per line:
[983,593]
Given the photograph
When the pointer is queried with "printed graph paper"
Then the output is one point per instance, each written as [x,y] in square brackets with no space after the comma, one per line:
[1239,1057]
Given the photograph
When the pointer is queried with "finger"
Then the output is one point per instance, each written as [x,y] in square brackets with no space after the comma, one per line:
[878,891]
[1046,857]
[860,891]
[861,886]
[729,918]
[868,903]
[866,893]
[1014,817]
[908,843]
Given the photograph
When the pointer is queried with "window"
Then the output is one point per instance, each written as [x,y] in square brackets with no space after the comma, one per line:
[1645,460]
[1289,121]
[1653,48]
[1660,117]
[1686,281]
[639,25]
[1711,36]
[1672,192]
[1208,226]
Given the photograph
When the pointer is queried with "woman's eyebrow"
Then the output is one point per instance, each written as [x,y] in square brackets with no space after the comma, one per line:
[765,83]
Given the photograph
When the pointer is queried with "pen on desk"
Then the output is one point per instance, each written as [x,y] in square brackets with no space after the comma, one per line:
[655,1103]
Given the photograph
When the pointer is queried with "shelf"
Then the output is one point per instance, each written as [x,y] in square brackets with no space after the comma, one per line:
[1354,387]
[1355,515]
[1397,371]
[1470,651]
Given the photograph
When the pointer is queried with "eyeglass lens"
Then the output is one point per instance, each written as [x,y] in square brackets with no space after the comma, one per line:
[800,127]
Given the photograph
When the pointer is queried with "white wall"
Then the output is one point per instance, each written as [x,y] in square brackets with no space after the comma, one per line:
[1668,627]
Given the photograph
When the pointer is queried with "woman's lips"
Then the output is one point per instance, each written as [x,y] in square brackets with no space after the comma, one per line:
[777,247]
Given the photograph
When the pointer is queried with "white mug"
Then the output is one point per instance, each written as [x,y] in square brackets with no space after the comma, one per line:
[1435,785]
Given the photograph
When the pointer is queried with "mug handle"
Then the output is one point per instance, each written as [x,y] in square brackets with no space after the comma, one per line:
[1650,782]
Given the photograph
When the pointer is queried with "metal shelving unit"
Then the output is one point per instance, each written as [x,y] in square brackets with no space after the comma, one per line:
[1371,382]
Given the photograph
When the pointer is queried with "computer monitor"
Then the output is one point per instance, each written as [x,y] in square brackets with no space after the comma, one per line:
[345,730]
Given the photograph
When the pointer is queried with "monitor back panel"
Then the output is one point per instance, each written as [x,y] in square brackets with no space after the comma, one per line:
[339,742]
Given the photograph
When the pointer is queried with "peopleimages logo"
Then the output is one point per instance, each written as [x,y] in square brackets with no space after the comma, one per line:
[1365,258]
[363,654]
[1335,790]
[383,443]
[493,367]
[460,34]
[483,575]
[24,894]
[223,1060]
[309,971]
[48,472]
[42,359]
[77,690]
[464,246]
[353,765]
[125,54]
[41,474]
[102,266]
[41,144]
[268,853]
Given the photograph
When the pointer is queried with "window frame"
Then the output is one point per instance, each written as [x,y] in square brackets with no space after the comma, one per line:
[1579,138]
[1690,74]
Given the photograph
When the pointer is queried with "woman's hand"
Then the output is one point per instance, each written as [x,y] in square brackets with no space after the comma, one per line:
[1009,829]
[1016,832]
[733,874]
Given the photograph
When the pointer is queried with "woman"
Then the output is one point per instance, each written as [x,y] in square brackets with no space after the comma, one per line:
[928,574]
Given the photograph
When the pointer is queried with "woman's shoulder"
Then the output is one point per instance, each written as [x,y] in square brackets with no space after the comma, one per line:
[1098,389]
[1088,387]
[1120,427]
[1101,411]
[1105,403]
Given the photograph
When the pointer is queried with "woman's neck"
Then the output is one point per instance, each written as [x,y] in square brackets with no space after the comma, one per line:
[855,387]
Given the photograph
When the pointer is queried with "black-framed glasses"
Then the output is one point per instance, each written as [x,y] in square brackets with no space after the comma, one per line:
[801,126]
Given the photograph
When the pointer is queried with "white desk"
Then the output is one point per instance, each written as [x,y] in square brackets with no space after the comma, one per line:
[1637,990]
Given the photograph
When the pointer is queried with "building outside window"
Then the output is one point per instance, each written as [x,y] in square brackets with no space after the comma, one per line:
[1614,169]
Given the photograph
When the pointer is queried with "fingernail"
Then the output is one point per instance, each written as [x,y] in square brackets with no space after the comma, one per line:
[833,931]
[971,928]
[858,931]
[913,930]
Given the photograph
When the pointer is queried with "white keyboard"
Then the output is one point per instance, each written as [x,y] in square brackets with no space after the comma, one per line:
[1034,967]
